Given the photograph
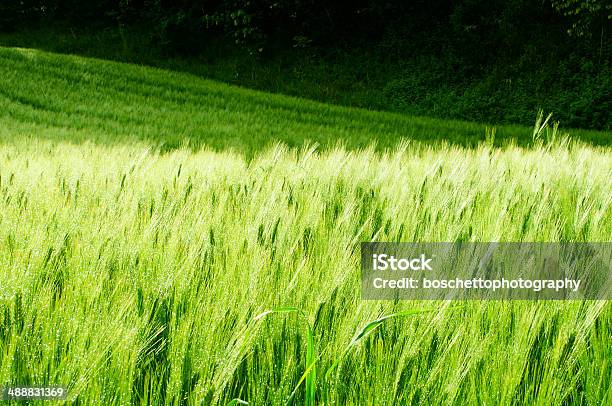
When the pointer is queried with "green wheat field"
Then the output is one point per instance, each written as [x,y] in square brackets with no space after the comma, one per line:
[169,240]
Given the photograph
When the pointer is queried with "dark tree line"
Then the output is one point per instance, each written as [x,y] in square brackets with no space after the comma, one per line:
[183,24]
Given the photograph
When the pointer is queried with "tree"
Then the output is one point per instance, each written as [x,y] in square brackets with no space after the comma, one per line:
[587,16]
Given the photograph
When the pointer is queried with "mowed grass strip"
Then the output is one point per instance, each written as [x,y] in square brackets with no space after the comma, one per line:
[136,277]
[75,99]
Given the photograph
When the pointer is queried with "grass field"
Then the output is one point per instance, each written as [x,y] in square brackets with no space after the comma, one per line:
[75,99]
[169,240]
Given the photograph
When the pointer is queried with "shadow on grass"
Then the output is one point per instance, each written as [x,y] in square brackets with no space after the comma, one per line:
[75,99]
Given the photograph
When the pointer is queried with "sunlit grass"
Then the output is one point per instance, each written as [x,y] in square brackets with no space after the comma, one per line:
[137,276]
[170,240]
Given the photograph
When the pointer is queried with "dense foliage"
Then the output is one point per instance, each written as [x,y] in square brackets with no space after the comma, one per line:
[498,60]
[494,22]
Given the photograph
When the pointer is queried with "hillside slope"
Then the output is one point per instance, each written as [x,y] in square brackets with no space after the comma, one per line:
[74,98]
